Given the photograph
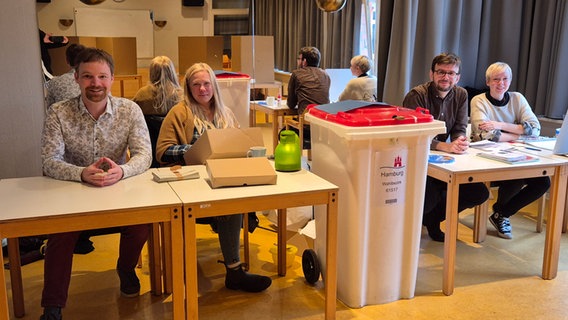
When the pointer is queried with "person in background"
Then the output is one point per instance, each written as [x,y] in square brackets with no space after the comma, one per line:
[64,86]
[158,97]
[364,86]
[163,91]
[446,102]
[501,115]
[202,109]
[48,41]
[309,84]
[86,139]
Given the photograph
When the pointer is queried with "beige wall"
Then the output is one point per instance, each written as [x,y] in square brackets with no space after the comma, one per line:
[21,93]
[182,21]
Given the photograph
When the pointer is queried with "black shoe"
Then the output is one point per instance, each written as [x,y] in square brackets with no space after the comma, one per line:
[253,221]
[129,283]
[434,231]
[51,313]
[83,246]
[238,279]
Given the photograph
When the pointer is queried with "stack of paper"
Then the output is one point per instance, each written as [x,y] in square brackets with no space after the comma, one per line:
[174,173]
[508,155]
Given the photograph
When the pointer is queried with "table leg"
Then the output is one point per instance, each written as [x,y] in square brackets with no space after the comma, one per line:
[190,264]
[4,314]
[565,226]
[554,227]
[450,240]
[282,242]
[177,263]
[16,277]
[330,277]
[246,241]
[121,88]
[275,121]
[252,116]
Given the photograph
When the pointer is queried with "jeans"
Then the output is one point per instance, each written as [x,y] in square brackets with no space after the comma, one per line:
[59,259]
[470,195]
[513,195]
[229,229]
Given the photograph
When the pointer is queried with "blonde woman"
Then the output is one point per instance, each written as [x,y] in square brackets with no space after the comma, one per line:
[364,86]
[158,97]
[163,91]
[200,110]
[501,115]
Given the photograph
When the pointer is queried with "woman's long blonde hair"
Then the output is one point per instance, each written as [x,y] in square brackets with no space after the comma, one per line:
[223,118]
[164,80]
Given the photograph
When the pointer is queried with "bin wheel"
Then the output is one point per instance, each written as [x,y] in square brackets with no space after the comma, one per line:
[310,266]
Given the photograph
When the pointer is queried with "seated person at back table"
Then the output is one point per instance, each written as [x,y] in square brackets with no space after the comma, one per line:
[308,84]
[64,86]
[86,139]
[163,91]
[158,97]
[201,109]
[502,115]
[447,102]
[364,86]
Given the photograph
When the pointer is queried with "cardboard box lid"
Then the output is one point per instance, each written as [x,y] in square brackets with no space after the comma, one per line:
[240,172]
[223,143]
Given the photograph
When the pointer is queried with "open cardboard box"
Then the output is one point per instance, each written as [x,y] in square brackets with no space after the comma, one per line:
[240,172]
[223,143]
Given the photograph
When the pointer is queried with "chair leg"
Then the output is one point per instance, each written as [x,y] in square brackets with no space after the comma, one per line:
[166,257]
[246,241]
[154,254]
[541,205]
[565,223]
[480,220]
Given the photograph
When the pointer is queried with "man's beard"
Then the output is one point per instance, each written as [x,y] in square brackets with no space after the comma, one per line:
[97,96]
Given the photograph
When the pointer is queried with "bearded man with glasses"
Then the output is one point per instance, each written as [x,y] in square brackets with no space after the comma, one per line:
[446,102]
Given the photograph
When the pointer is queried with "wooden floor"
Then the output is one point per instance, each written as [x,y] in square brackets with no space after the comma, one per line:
[497,279]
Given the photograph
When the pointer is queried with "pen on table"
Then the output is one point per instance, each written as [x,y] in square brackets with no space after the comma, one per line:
[531,148]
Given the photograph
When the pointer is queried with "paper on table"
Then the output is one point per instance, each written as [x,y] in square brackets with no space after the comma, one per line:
[175,173]
[507,154]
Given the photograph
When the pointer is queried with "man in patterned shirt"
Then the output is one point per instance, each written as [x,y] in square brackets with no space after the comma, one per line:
[64,86]
[86,139]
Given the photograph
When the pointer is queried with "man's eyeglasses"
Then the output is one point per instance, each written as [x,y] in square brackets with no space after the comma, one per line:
[442,73]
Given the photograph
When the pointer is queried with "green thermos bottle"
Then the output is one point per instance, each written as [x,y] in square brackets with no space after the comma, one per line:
[288,154]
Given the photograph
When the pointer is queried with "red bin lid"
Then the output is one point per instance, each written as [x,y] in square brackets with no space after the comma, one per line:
[221,74]
[362,114]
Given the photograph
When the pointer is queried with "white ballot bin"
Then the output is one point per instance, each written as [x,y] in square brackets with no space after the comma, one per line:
[235,92]
[378,156]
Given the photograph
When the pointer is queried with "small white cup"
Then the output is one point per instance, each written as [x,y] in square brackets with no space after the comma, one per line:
[255,152]
[270,101]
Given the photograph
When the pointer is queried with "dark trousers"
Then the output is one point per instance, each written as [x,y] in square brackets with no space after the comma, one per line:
[471,195]
[513,195]
[59,259]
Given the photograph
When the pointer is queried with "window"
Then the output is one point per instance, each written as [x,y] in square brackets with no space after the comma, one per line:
[368,30]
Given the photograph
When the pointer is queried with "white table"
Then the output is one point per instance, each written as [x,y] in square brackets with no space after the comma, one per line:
[469,168]
[41,205]
[294,189]
[278,112]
